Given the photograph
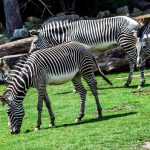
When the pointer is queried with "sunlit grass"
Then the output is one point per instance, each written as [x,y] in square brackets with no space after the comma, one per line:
[125,125]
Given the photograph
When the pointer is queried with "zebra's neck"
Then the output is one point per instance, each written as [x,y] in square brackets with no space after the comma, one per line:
[19,85]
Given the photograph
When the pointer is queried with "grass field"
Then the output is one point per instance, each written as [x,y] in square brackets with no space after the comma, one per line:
[125,125]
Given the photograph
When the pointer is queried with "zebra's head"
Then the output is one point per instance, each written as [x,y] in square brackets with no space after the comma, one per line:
[143,44]
[144,35]
[15,112]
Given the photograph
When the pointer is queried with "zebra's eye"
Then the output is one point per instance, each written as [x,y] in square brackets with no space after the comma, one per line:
[9,112]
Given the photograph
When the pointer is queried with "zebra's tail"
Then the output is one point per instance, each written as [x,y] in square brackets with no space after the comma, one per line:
[101,73]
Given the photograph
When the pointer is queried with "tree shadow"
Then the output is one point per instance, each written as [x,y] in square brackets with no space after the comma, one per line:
[88,121]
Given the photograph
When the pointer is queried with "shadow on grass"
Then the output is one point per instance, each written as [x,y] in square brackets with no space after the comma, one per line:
[111,87]
[88,121]
[119,87]
[96,120]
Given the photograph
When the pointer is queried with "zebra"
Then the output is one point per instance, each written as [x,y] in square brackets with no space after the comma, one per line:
[119,30]
[56,65]
[143,45]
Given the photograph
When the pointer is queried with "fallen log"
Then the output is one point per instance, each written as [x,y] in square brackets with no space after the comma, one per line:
[113,60]
[16,47]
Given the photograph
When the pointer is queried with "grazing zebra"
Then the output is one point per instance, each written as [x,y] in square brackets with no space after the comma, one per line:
[55,66]
[103,32]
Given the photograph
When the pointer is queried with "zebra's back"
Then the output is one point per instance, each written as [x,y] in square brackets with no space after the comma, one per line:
[61,63]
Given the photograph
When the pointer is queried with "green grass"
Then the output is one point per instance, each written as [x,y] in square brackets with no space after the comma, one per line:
[126,123]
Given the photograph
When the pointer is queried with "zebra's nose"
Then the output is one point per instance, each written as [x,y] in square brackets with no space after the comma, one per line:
[138,66]
[15,131]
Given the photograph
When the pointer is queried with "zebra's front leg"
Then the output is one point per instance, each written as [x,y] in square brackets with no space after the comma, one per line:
[80,89]
[142,78]
[129,80]
[48,105]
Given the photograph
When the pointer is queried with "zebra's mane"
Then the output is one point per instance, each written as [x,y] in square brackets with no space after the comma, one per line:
[19,65]
[55,24]
[146,25]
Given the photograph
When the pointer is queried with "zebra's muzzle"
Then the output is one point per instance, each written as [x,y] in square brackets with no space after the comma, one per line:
[15,131]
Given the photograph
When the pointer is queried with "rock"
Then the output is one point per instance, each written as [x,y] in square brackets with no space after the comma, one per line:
[123,11]
[141,4]
[4,39]
[147,11]
[20,33]
[103,14]
[136,12]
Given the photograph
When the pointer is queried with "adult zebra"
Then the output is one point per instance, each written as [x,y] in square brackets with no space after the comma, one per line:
[104,32]
[143,45]
[55,65]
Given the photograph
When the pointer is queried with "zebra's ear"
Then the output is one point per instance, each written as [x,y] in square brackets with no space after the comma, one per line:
[7,100]
[2,99]
[134,33]
[34,32]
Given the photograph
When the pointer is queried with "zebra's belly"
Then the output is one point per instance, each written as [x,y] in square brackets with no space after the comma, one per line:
[103,46]
[60,79]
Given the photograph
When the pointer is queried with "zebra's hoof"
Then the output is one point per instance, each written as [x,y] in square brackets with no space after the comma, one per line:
[77,121]
[74,91]
[51,125]
[36,129]
[126,85]
[139,87]
[100,118]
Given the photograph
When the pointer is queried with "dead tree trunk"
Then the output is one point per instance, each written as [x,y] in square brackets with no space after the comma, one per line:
[16,47]
[12,16]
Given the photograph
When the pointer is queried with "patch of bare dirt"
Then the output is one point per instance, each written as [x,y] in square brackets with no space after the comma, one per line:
[146,145]
[119,108]
[140,92]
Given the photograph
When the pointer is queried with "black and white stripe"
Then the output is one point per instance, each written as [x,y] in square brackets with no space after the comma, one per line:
[104,32]
[55,65]
[143,48]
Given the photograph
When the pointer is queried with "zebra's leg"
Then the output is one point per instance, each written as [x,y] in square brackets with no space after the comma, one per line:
[39,109]
[41,87]
[129,80]
[81,90]
[92,83]
[142,78]
[48,105]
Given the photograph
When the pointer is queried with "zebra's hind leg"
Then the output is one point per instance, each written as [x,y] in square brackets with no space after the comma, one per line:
[142,78]
[81,90]
[41,87]
[129,80]
[39,109]
[92,83]
[48,105]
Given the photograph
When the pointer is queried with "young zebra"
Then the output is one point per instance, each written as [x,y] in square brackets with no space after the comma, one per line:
[55,66]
